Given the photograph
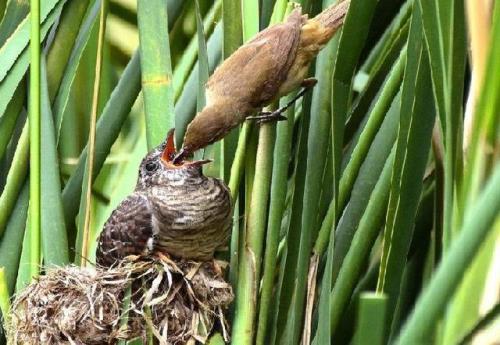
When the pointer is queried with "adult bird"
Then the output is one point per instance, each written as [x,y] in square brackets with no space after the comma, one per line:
[274,63]
[174,210]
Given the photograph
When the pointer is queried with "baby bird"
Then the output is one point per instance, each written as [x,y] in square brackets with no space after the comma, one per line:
[274,63]
[174,210]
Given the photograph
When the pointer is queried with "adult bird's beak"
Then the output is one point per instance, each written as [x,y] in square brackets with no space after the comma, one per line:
[200,162]
[179,156]
[171,158]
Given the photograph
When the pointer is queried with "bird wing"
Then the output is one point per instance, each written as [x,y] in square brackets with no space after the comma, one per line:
[126,232]
[255,71]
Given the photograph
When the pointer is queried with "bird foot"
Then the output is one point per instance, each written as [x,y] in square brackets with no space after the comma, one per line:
[268,116]
[163,257]
[219,267]
[309,83]
[168,262]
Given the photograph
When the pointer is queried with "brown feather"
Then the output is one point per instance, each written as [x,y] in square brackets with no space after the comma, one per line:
[126,232]
[272,64]
[253,73]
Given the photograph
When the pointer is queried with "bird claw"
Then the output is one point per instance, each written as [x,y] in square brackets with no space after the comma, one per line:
[218,267]
[268,116]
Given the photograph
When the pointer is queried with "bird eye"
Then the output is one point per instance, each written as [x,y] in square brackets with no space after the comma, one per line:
[151,166]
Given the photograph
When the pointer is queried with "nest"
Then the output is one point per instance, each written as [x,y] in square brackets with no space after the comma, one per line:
[173,302]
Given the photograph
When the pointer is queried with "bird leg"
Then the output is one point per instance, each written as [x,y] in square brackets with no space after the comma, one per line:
[277,115]
[267,116]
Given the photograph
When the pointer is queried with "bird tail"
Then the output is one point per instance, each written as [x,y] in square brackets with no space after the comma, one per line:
[331,19]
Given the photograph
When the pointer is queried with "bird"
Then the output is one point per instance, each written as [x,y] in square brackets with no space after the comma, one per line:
[174,211]
[273,64]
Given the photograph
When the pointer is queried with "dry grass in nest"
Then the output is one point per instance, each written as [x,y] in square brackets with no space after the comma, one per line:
[178,302]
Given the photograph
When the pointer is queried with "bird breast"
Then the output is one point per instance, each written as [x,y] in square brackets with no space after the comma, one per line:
[191,216]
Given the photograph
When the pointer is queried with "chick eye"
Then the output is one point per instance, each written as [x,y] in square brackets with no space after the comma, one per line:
[151,166]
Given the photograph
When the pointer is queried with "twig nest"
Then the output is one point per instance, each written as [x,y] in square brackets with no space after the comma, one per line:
[175,302]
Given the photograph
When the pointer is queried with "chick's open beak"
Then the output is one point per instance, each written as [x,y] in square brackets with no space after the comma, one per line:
[169,150]
[171,157]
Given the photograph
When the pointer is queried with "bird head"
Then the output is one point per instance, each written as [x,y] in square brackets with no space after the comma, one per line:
[208,126]
[158,168]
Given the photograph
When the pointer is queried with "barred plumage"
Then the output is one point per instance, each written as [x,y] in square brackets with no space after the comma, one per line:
[191,217]
[174,210]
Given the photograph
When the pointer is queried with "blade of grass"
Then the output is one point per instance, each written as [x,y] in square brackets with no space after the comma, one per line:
[293,230]
[479,31]
[3,4]
[267,10]
[470,295]
[4,298]
[203,69]
[324,331]
[54,237]
[341,77]
[239,159]
[11,81]
[456,60]
[363,102]
[485,125]
[387,38]
[24,271]
[156,69]
[19,39]
[318,136]
[185,108]
[249,27]
[59,54]
[108,127]
[435,49]
[203,73]
[234,244]
[216,339]
[485,321]
[368,229]
[411,158]
[186,62]
[12,241]
[371,317]
[15,12]
[249,19]
[15,178]
[234,188]
[367,178]
[232,39]
[62,98]
[375,118]
[249,268]
[445,39]
[8,121]
[83,237]
[282,152]
[366,282]
[478,164]
[413,278]
[34,137]
[258,181]
[478,222]
[125,311]
[351,42]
